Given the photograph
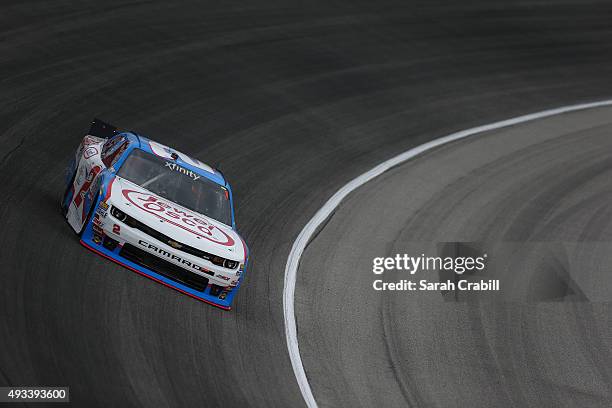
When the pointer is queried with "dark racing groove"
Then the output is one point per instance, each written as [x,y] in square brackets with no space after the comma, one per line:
[293,100]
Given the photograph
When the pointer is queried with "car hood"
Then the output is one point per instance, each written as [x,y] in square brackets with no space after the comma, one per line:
[177,222]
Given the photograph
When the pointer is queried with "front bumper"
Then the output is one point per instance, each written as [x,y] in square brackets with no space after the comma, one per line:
[206,295]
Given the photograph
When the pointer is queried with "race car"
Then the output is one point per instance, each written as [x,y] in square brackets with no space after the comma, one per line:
[156,211]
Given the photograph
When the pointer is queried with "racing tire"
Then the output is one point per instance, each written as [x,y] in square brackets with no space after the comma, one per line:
[63,209]
[94,204]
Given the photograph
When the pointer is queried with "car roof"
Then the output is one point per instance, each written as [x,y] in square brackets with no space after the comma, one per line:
[190,163]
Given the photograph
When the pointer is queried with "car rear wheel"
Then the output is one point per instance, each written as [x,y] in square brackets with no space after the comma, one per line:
[63,205]
[94,204]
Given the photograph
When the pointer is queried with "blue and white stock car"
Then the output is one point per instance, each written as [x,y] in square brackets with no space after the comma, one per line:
[157,212]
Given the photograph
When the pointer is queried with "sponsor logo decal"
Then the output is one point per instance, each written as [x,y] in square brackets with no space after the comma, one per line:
[89,140]
[90,152]
[174,257]
[102,209]
[85,187]
[178,217]
[174,244]
[176,167]
[224,294]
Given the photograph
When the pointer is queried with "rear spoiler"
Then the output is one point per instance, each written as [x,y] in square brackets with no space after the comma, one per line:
[102,129]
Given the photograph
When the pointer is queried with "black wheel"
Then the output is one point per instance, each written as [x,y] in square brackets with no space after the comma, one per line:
[63,208]
[91,211]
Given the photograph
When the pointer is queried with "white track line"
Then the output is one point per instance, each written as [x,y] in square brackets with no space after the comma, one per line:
[309,229]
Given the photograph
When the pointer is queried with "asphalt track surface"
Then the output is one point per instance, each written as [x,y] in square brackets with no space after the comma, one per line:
[294,100]
[536,199]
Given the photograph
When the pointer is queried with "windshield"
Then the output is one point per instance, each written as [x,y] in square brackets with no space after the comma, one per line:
[173,182]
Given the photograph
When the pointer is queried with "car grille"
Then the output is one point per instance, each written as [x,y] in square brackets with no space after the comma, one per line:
[164,268]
